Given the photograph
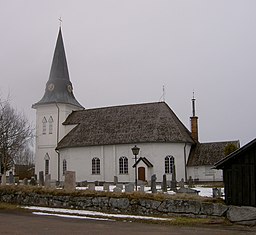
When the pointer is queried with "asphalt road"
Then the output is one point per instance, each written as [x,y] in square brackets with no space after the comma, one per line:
[21,223]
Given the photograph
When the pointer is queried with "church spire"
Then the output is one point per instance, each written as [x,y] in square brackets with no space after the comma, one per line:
[59,87]
[59,69]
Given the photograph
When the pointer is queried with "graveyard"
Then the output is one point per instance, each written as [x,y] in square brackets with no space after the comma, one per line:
[162,199]
[153,186]
[158,199]
[153,199]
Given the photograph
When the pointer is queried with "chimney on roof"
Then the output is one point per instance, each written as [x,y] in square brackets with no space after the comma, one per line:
[194,120]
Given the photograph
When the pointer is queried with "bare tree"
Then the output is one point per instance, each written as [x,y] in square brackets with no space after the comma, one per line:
[25,156]
[15,131]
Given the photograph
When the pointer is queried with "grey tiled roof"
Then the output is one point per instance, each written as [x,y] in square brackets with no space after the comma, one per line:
[208,153]
[138,123]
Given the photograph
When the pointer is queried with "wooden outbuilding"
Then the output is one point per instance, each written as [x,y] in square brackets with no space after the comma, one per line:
[239,175]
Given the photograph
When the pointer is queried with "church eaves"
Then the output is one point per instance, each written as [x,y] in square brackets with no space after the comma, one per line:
[59,87]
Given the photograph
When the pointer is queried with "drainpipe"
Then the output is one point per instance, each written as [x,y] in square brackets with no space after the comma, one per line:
[185,162]
[57,139]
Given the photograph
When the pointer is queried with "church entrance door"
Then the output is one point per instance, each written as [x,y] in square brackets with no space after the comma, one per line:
[141,173]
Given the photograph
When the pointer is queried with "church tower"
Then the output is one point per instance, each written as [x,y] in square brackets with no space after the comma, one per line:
[51,111]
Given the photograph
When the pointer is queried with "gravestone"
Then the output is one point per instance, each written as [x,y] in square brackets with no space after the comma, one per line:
[25,181]
[41,178]
[47,182]
[17,180]
[106,187]
[164,184]
[188,191]
[33,181]
[142,188]
[11,178]
[153,183]
[182,183]
[115,180]
[91,186]
[117,190]
[190,182]
[129,187]
[83,183]
[121,186]
[174,182]
[216,192]
[70,180]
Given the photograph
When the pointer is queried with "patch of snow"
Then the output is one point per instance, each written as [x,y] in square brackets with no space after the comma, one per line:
[203,191]
[93,213]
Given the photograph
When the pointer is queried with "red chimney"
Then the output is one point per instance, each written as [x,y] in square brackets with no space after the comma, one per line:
[194,121]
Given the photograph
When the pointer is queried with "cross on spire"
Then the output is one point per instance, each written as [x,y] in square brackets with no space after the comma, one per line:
[60,20]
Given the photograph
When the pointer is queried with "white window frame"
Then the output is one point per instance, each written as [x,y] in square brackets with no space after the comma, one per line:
[64,166]
[44,121]
[50,125]
[123,165]
[47,164]
[95,166]
[169,163]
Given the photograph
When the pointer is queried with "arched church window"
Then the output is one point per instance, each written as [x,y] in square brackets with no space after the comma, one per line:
[123,165]
[95,166]
[44,121]
[64,166]
[46,164]
[169,164]
[50,125]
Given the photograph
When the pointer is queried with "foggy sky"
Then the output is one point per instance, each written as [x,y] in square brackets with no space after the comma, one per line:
[124,51]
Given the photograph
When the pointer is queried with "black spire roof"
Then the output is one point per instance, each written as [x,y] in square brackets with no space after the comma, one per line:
[59,87]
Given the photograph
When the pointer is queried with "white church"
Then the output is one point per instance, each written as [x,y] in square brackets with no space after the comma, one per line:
[97,143]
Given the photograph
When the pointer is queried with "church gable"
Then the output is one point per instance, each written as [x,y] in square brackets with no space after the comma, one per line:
[139,123]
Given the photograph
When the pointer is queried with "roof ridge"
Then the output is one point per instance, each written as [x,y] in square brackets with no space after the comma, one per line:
[121,105]
[217,142]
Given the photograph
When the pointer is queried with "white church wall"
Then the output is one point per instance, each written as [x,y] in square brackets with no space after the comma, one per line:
[80,160]
[205,173]
[157,152]
[124,150]
[46,141]
[109,163]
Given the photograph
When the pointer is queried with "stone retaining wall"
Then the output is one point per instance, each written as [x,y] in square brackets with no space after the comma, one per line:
[120,205]
[166,208]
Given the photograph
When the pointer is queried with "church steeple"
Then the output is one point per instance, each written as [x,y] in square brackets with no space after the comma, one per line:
[59,87]
[59,69]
